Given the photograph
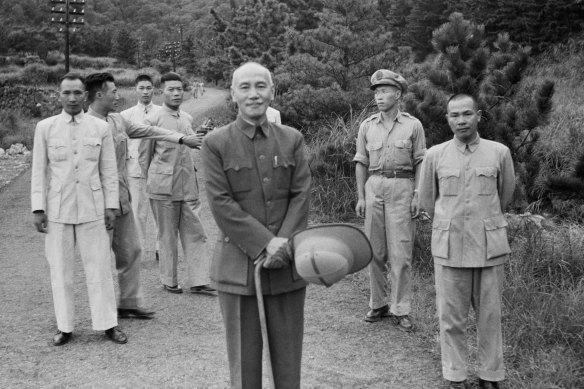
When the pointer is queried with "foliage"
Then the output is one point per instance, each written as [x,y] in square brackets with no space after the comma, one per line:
[15,127]
[125,46]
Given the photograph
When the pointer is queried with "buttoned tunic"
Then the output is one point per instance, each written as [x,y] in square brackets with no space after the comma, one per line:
[171,171]
[465,189]
[258,188]
[397,145]
[74,169]
[136,114]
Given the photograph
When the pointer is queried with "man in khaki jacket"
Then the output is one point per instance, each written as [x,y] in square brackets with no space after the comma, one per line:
[74,193]
[258,186]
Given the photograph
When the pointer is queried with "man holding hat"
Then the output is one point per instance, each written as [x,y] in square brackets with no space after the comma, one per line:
[390,148]
[258,184]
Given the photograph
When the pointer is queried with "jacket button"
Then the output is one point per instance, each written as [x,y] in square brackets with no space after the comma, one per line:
[266,179]
[226,239]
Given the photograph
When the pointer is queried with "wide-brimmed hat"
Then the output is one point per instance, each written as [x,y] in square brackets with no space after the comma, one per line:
[324,254]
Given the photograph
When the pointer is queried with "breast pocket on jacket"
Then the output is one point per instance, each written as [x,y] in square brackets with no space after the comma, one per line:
[160,179]
[448,181]
[487,180]
[57,150]
[91,148]
[240,174]
[403,153]
[283,169]
[374,149]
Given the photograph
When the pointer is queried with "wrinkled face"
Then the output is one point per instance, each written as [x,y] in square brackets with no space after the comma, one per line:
[173,92]
[110,96]
[72,94]
[145,90]
[463,118]
[386,97]
[252,90]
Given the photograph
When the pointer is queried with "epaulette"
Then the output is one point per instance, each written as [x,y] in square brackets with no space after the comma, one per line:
[375,116]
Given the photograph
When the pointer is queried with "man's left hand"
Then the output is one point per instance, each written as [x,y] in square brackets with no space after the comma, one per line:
[193,141]
[414,206]
[110,219]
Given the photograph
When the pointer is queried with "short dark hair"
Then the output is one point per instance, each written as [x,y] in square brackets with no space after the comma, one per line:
[73,76]
[459,96]
[143,77]
[171,76]
[95,82]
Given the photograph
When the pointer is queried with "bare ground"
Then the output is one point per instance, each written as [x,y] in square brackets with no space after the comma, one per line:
[184,345]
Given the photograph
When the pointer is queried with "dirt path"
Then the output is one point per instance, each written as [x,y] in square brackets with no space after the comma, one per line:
[184,345]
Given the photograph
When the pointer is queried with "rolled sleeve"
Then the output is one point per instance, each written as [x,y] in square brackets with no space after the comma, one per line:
[361,155]
[419,143]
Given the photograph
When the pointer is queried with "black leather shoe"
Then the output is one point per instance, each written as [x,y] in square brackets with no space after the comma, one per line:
[61,338]
[116,335]
[404,322]
[173,289]
[457,384]
[483,384]
[135,313]
[204,289]
[377,314]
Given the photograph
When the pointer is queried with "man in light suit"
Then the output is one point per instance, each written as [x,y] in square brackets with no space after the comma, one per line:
[258,186]
[74,194]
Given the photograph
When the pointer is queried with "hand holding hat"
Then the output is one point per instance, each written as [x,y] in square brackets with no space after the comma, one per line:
[278,253]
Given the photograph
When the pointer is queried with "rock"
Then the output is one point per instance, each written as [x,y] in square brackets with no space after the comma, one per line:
[2,152]
[17,148]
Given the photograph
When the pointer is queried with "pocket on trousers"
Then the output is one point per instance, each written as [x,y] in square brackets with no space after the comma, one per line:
[496,237]
[440,238]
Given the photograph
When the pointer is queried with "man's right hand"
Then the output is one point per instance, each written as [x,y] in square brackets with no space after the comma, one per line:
[40,222]
[360,208]
[193,141]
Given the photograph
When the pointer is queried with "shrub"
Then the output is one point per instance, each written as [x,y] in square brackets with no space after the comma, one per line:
[54,57]
[15,128]
[38,74]
[84,62]
[161,67]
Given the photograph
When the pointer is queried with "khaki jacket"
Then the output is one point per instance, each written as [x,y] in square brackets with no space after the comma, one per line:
[74,173]
[258,188]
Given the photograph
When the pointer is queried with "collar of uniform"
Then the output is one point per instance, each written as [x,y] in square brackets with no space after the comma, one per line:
[69,118]
[92,112]
[144,107]
[248,128]
[396,119]
[472,146]
[171,111]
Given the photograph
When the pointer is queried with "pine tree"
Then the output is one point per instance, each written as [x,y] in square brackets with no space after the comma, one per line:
[425,16]
[464,64]
[124,46]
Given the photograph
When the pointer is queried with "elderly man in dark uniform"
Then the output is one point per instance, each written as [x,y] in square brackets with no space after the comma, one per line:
[258,183]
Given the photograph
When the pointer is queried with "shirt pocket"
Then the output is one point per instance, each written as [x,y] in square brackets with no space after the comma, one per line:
[91,148]
[283,169]
[160,179]
[440,238]
[58,150]
[487,180]
[240,174]
[448,181]
[165,151]
[402,152]
[374,149]
[98,200]
[496,236]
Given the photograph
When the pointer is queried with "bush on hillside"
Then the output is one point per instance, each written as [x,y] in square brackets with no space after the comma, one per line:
[15,128]
[36,74]
[83,62]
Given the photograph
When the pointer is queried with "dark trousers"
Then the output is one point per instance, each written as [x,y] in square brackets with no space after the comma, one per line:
[285,322]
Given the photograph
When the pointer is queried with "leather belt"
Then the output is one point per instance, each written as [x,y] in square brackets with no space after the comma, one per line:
[393,173]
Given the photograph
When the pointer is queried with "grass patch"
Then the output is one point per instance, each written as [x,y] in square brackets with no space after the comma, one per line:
[16,128]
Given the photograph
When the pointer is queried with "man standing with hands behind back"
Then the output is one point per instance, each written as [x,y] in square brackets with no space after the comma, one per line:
[74,193]
[390,148]
[465,186]
[258,184]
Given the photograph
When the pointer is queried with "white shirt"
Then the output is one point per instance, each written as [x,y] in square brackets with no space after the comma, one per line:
[136,114]
[273,115]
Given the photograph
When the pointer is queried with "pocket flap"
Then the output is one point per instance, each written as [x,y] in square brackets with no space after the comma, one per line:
[162,169]
[95,184]
[91,141]
[403,144]
[57,143]
[495,222]
[441,224]
[445,173]
[236,164]
[486,171]
[283,161]
[374,146]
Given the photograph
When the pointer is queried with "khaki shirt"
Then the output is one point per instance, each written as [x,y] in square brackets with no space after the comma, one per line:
[397,145]
[136,114]
[74,177]
[466,189]
[171,169]
[258,187]
[122,130]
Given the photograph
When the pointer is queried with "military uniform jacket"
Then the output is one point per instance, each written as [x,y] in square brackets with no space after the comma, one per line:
[74,175]
[465,189]
[258,187]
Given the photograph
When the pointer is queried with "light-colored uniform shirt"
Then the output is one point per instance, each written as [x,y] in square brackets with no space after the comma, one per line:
[171,169]
[397,145]
[465,189]
[273,115]
[121,130]
[136,114]
[74,176]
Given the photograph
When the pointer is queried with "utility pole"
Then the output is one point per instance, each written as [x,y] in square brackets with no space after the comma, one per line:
[172,51]
[67,13]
